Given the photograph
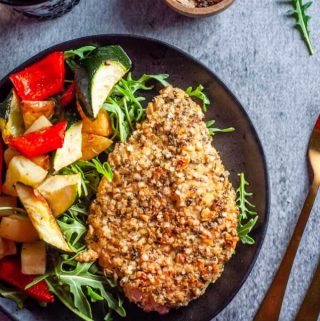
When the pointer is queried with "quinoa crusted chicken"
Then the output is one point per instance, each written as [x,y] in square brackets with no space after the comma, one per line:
[166,224]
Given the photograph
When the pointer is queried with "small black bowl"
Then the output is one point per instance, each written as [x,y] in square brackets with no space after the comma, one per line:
[41,9]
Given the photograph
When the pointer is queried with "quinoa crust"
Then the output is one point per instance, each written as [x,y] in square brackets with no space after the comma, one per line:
[167,223]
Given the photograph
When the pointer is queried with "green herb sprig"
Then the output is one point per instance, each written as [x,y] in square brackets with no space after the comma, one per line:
[199,93]
[78,278]
[125,104]
[72,56]
[213,130]
[302,20]
[90,172]
[247,216]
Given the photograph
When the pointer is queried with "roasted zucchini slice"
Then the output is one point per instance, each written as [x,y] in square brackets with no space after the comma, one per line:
[41,217]
[97,75]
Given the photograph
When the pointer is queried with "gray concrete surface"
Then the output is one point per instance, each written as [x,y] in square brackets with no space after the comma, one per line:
[254,48]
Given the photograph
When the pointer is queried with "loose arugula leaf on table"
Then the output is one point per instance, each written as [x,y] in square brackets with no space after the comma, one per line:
[17,296]
[213,130]
[247,216]
[199,93]
[302,19]
[125,104]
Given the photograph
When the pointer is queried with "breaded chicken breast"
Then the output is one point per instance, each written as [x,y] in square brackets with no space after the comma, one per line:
[166,224]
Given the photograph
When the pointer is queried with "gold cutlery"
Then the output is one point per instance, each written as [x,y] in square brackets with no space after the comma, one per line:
[271,305]
[310,308]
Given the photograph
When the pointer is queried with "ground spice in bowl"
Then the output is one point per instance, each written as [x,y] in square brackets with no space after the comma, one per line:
[198,3]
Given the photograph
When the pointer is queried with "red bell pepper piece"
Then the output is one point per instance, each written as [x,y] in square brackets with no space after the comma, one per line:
[42,79]
[10,272]
[41,142]
[68,95]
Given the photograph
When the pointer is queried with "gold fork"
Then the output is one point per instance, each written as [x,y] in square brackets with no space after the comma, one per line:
[310,308]
[271,305]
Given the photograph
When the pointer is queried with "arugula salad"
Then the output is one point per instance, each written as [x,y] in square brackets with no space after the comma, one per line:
[59,122]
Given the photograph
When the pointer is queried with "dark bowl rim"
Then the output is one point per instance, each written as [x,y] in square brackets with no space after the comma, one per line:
[100,38]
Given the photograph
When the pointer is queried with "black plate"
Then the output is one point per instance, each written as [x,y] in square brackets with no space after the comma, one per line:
[241,152]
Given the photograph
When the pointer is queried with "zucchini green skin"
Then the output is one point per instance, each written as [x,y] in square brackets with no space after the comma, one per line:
[89,66]
[83,90]
[5,107]
[97,57]
[11,120]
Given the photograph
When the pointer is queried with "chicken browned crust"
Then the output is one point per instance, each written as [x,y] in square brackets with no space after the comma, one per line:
[167,223]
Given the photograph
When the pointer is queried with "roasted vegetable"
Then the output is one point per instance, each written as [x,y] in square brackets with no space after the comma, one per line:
[41,217]
[9,153]
[7,201]
[40,142]
[10,272]
[41,80]
[98,74]
[71,149]
[42,161]
[33,258]
[18,229]
[7,247]
[60,191]
[100,126]
[93,145]
[22,170]
[68,95]
[32,110]
[41,123]
[11,121]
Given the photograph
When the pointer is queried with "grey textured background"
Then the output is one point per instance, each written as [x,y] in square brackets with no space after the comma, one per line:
[252,47]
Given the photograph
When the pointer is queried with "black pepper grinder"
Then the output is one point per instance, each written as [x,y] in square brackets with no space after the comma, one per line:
[41,9]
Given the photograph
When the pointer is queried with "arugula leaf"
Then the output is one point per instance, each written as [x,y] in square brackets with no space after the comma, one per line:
[80,52]
[302,19]
[77,277]
[199,93]
[17,296]
[95,164]
[94,295]
[71,56]
[213,130]
[247,217]
[90,172]
[74,230]
[119,127]
[124,104]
